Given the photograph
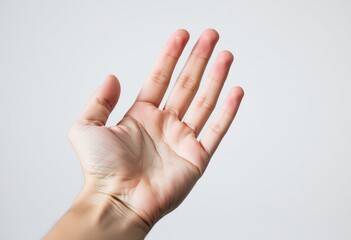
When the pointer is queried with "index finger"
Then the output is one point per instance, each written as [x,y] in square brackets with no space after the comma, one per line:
[156,84]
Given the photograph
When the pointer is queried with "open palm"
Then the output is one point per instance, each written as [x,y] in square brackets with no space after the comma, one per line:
[152,158]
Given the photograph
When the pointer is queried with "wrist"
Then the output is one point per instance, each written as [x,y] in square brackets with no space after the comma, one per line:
[109,216]
[97,216]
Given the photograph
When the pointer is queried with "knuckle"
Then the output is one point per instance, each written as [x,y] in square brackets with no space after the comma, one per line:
[203,103]
[159,77]
[105,103]
[218,130]
[173,111]
[188,82]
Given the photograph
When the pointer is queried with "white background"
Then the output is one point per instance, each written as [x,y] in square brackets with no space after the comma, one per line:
[282,172]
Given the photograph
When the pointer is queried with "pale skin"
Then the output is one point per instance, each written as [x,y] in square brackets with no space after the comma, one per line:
[142,168]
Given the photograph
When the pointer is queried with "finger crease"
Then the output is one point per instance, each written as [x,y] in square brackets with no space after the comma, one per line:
[203,103]
[187,82]
[159,77]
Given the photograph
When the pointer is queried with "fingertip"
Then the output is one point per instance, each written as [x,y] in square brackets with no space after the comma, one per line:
[238,91]
[110,90]
[211,34]
[176,43]
[182,34]
[206,43]
[234,97]
[112,78]
[102,102]
[226,56]
[180,38]
[232,102]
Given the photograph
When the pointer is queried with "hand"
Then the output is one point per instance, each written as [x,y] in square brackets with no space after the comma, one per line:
[151,159]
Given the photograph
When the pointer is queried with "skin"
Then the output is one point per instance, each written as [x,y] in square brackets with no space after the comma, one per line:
[142,168]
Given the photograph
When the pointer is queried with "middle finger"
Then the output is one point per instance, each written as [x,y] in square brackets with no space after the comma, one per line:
[189,79]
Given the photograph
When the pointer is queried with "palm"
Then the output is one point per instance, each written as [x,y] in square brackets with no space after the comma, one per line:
[152,158]
[159,160]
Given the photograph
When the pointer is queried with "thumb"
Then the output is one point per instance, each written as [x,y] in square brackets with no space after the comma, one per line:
[102,102]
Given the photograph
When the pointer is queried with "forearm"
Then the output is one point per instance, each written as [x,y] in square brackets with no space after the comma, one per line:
[98,218]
